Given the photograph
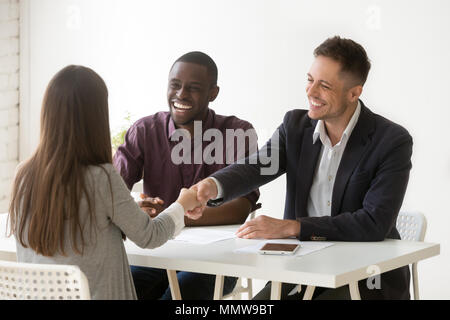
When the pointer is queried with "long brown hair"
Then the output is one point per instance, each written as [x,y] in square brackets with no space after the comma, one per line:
[48,187]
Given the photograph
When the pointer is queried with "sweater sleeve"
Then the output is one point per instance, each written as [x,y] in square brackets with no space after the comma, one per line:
[131,220]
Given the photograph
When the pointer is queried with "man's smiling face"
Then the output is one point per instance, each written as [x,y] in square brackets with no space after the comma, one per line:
[326,90]
[189,92]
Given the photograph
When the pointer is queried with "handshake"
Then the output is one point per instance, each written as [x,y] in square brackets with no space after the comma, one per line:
[193,199]
[194,202]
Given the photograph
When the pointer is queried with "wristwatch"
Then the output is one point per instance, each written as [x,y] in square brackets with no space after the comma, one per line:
[214,203]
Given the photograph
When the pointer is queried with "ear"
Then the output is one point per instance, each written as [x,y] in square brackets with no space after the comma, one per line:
[213,92]
[354,93]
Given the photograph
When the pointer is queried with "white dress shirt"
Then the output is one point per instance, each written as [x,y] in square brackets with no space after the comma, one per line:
[320,196]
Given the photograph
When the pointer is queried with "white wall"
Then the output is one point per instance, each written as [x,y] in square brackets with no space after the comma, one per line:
[9,96]
[263,50]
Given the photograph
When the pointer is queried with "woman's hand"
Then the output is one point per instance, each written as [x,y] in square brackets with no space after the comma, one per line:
[188,199]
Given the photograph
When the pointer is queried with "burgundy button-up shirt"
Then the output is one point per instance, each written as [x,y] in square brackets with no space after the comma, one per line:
[147,153]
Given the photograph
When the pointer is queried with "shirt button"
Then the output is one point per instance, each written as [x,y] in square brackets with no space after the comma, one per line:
[330,178]
[328,203]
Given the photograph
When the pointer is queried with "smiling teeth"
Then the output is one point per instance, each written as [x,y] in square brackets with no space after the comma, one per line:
[182,106]
[316,104]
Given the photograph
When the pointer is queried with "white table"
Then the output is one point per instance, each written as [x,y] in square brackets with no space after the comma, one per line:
[344,263]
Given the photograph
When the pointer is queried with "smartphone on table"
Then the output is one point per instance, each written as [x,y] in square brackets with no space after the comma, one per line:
[279,248]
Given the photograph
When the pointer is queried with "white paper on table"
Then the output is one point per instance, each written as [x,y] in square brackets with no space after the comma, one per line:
[306,247]
[199,235]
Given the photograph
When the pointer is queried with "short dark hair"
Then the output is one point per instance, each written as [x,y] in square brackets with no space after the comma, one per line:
[351,55]
[202,59]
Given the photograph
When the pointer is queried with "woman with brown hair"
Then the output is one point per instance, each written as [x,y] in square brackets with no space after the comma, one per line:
[69,205]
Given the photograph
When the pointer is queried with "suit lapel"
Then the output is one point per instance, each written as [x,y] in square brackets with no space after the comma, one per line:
[307,162]
[356,145]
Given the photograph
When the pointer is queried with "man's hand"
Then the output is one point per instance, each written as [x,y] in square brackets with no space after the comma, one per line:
[152,206]
[268,228]
[206,190]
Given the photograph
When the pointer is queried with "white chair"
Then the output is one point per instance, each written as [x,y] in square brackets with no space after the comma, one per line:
[412,226]
[30,281]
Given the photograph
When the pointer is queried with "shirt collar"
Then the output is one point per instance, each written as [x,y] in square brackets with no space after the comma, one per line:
[208,123]
[320,131]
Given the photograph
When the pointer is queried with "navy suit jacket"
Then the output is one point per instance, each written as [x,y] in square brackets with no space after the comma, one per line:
[368,191]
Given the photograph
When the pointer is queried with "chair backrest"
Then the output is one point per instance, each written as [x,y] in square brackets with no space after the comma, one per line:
[30,281]
[411,225]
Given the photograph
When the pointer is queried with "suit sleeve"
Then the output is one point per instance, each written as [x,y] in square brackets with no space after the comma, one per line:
[381,203]
[239,156]
[259,168]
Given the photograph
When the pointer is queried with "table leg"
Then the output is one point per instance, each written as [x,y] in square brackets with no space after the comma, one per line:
[354,291]
[275,291]
[309,292]
[218,287]
[415,281]
[250,288]
[173,284]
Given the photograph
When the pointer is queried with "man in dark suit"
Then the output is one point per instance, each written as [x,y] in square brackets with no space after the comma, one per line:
[346,167]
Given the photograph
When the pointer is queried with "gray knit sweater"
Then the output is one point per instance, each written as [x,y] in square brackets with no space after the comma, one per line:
[104,261]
